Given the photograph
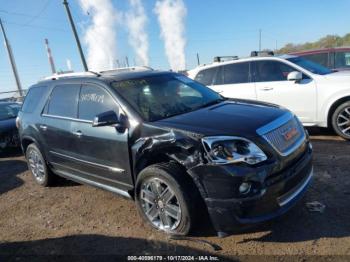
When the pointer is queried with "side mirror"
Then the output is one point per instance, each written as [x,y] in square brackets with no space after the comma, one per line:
[295,76]
[108,118]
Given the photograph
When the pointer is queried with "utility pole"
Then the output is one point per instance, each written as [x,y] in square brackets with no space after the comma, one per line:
[259,39]
[12,60]
[65,3]
[49,56]
[198,59]
[127,61]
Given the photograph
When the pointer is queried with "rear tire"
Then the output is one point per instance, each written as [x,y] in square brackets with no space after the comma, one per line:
[38,167]
[341,120]
[162,198]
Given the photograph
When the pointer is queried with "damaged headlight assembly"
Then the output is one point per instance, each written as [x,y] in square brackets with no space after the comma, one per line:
[231,149]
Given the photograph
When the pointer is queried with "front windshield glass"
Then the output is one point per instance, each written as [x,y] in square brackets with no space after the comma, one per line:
[159,97]
[310,66]
[8,111]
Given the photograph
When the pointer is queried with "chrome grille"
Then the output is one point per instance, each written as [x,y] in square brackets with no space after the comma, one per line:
[287,137]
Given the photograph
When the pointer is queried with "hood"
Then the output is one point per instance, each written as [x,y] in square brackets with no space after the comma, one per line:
[339,75]
[231,117]
[7,125]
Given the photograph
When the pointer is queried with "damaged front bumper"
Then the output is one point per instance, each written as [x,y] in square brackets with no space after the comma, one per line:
[270,194]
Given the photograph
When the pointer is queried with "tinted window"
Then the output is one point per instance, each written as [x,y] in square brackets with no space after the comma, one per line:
[342,59]
[206,76]
[32,98]
[8,110]
[321,59]
[267,71]
[236,73]
[63,101]
[94,100]
[158,97]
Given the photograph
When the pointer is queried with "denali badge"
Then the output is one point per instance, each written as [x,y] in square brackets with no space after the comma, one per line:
[290,133]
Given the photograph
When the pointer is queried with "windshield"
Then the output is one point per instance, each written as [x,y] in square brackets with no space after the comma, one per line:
[310,66]
[8,111]
[159,97]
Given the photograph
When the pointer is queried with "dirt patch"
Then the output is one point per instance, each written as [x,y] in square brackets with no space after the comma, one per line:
[72,219]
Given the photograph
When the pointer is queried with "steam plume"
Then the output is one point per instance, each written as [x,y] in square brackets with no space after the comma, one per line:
[136,20]
[100,36]
[171,17]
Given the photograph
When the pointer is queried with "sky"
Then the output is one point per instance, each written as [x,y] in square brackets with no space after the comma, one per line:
[212,28]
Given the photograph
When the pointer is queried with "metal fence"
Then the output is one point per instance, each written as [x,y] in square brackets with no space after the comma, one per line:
[13,96]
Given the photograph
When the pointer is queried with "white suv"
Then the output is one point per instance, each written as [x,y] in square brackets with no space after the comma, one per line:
[317,95]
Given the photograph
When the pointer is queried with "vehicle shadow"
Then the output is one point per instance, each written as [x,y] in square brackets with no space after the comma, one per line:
[13,152]
[96,248]
[9,169]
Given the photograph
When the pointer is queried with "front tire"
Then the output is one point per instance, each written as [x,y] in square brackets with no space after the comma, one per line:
[341,120]
[37,166]
[162,197]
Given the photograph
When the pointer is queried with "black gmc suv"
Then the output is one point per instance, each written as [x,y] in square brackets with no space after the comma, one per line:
[171,144]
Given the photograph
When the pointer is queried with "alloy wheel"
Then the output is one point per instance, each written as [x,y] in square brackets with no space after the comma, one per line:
[343,121]
[160,204]
[36,166]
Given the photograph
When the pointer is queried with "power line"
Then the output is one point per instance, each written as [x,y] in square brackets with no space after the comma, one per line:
[42,10]
[35,26]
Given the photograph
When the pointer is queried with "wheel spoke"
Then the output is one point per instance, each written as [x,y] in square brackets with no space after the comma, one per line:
[347,110]
[344,117]
[156,187]
[164,219]
[346,129]
[167,195]
[148,196]
[173,211]
[153,213]
[344,123]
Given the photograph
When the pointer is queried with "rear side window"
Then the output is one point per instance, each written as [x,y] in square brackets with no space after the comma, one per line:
[206,76]
[236,73]
[94,100]
[321,59]
[32,98]
[64,101]
[342,59]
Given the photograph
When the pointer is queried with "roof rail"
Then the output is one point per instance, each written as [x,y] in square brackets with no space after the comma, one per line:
[262,53]
[92,73]
[57,76]
[225,58]
[127,69]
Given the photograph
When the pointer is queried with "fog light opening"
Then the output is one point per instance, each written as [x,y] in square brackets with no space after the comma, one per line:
[244,188]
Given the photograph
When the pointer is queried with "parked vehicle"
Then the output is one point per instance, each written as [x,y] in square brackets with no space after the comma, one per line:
[173,145]
[334,58]
[317,95]
[8,131]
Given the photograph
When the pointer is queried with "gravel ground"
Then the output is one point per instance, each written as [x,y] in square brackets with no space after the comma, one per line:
[89,223]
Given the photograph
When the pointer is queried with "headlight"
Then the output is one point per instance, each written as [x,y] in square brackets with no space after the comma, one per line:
[229,149]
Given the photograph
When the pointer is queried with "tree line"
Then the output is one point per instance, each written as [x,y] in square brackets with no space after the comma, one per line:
[328,41]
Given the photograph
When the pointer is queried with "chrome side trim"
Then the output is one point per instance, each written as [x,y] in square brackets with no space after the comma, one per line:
[275,124]
[96,184]
[110,168]
[283,201]
[68,118]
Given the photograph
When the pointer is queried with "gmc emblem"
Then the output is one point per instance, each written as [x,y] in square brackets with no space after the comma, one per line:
[290,133]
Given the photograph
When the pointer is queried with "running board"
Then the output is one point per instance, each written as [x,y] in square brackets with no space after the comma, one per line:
[81,180]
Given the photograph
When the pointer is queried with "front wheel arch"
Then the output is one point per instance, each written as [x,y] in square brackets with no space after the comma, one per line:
[334,107]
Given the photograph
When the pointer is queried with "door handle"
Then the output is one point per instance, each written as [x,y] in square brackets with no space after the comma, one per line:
[78,133]
[266,88]
[43,127]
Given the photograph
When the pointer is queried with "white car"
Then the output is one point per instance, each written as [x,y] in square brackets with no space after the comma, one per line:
[317,95]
